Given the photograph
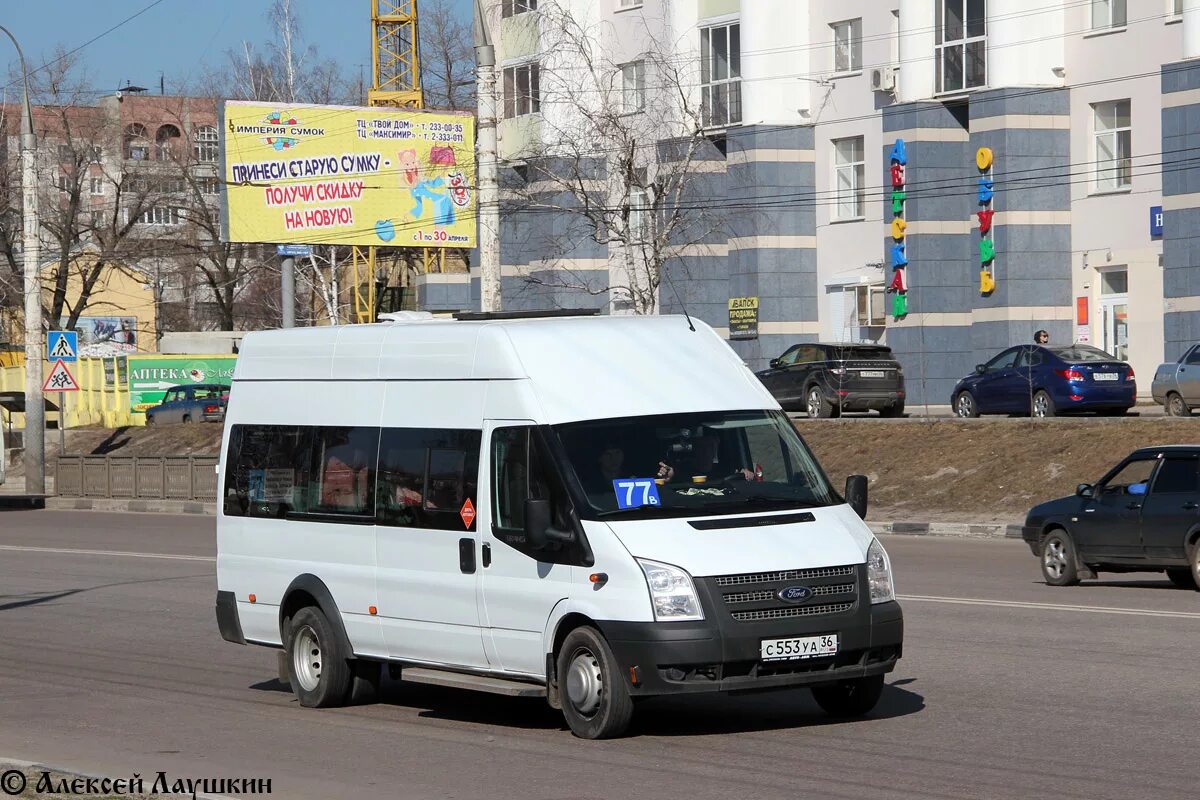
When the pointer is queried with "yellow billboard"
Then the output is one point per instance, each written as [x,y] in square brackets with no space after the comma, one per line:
[307,174]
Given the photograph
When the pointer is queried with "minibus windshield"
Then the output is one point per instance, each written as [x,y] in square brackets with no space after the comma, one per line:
[717,462]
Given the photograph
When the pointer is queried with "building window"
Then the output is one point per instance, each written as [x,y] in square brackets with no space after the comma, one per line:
[165,142]
[160,215]
[208,184]
[847,45]
[1114,145]
[522,90]
[510,8]
[1108,14]
[206,146]
[961,44]
[62,182]
[721,75]
[849,176]
[633,87]
[639,207]
[870,308]
[96,186]
[97,219]
[137,148]
[66,154]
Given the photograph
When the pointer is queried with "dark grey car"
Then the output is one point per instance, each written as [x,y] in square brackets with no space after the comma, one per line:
[823,380]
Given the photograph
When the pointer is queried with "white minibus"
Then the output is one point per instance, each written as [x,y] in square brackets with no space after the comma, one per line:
[589,509]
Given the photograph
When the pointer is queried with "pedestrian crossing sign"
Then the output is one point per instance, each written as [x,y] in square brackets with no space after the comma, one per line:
[60,379]
[62,346]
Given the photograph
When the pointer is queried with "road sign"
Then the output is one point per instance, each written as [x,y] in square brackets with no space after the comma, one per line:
[60,379]
[62,346]
[293,250]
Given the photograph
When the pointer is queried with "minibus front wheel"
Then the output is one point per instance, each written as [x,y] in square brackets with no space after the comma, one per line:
[595,699]
[319,672]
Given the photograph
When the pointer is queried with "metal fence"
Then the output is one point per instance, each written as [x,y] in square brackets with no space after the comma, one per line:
[138,477]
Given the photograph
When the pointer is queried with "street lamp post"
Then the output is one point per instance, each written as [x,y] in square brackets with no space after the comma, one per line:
[35,408]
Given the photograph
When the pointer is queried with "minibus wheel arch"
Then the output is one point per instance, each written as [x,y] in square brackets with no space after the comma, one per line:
[308,590]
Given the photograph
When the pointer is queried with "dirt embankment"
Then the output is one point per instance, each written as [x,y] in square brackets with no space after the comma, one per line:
[979,470]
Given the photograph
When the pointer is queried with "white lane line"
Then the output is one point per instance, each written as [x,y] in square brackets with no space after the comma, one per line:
[129,554]
[972,601]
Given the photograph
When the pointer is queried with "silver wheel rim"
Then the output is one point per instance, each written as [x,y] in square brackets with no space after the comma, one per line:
[306,658]
[964,405]
[1176,406]
[814,403]
[1054,558]
[585,684]
[1041,405]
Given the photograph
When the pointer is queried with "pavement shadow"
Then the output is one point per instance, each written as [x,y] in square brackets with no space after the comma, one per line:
[112,442]
[1163,584]
[697,715]
[273,685]
[39,598]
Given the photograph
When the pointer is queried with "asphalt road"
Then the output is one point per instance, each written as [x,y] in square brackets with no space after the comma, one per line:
[110,663]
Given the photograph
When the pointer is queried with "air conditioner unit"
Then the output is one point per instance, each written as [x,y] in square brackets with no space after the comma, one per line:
[883,79]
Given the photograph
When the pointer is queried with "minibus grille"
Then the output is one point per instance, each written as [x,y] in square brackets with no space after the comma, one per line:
[786,575]
[791,611]
[755,596]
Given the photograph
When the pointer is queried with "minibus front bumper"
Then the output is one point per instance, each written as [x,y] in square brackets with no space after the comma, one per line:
[723,655]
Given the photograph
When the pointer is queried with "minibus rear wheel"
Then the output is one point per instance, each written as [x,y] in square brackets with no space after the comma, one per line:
[852,698]
[317,669]
[595,699]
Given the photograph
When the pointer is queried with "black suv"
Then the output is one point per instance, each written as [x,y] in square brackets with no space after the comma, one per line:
[823,380]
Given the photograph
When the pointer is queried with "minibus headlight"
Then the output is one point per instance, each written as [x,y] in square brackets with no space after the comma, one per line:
[879,573]
[671,592]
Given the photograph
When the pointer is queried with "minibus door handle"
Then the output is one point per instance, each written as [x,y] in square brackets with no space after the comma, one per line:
[487,554]
[466,556]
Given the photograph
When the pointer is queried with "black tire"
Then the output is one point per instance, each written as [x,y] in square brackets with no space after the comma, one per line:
[187,419]
[1176,406]
[325,682]
[1181,577]
[852,698]
[595,700]
[816,406]
[364,682]
[964,405]
[1058,560]
[1043,404]
[149,420]
[1194,561]
[892,412]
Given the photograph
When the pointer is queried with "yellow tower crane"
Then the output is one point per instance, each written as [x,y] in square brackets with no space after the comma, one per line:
[395,82]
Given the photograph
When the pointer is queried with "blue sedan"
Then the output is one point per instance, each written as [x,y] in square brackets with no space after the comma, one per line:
[1046,381]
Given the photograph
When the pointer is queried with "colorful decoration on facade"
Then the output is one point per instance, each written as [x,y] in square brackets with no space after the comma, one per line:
[987,243]
[897,167]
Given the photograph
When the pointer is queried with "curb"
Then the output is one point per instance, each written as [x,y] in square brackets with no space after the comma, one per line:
[969,530]
[131,506]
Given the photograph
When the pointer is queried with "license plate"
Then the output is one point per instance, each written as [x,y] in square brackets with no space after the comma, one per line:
[798,647]
[873,373]
[1104,376]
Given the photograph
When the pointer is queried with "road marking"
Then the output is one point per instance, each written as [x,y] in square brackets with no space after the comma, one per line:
[972,601]
[73,552]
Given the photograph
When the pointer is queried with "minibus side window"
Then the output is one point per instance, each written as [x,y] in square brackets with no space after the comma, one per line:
[343,470]
[426,476]
[266,470]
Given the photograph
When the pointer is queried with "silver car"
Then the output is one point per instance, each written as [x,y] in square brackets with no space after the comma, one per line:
[1177,386]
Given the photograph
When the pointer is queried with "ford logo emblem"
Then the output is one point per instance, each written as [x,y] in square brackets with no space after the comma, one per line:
[795,594]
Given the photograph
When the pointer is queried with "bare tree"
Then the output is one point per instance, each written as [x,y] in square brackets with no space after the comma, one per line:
[617,156]
[447,57]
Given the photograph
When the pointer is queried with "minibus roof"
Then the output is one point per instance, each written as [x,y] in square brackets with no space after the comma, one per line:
[579,366]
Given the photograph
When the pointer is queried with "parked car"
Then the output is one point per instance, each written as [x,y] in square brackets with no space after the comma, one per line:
[200,402]
[1177,386]
[1143,516]
[823,380]
[1045,380]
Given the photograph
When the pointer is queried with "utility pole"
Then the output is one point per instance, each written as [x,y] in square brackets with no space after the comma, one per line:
[488,169]
[35,406]
[288,291]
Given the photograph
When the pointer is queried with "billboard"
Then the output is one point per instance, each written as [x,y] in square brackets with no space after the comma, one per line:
[151,376]
[106,337]
[306,174]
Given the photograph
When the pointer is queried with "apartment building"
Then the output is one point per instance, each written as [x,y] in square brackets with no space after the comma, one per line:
[1071,123]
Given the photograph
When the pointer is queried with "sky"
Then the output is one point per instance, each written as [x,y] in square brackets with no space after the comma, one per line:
[179,38]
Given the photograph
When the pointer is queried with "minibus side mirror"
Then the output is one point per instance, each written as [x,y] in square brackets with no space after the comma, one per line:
[539,531]
[856,494]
